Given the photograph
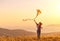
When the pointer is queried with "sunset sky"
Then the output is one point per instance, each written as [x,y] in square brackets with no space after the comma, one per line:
[13,11]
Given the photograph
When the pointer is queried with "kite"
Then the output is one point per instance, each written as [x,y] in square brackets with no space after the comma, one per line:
[38,12]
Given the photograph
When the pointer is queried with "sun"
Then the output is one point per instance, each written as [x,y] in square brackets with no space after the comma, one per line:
[58,7]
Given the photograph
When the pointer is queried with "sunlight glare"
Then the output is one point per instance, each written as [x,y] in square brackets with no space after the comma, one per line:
[58,6]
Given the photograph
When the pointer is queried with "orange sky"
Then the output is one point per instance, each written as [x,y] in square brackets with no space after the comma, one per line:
[13,11]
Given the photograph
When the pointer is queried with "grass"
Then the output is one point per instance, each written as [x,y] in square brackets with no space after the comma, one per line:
[29,38]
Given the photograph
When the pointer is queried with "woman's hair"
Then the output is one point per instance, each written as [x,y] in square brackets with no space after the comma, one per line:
[40,23]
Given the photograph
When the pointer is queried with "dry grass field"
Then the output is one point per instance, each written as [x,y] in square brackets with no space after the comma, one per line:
[29,38]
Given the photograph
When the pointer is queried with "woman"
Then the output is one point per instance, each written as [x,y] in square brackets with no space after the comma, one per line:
[38,28]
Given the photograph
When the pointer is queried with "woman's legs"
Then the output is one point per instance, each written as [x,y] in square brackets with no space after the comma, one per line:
[38,33]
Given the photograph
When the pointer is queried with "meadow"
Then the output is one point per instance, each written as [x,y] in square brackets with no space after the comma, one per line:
[29,38]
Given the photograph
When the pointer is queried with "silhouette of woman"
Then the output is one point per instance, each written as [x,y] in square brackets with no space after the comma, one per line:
[38,29]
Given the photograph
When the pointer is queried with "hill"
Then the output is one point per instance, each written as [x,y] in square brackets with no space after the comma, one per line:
[6,32]
[19,32]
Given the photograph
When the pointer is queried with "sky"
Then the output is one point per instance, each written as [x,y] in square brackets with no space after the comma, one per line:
[13,11]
